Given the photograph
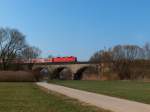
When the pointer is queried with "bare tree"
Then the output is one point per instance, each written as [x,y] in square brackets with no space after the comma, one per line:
[123,56]
[96,57]
[102,56]
[30,53]
[120,58]
[11,44]
[147,51]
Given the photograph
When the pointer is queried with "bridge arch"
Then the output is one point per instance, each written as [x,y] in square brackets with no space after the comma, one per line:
[41,73]
[63,73]
[86,73]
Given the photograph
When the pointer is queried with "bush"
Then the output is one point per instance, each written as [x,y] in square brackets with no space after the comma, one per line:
[17,76]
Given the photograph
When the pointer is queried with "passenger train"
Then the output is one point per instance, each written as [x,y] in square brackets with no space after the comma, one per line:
[47,60]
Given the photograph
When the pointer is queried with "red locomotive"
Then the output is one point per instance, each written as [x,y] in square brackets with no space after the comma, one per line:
[64,59]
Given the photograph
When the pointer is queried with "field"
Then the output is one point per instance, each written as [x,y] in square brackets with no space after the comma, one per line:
[27,97]
[132,90]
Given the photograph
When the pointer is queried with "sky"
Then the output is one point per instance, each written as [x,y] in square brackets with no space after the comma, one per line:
[78,27]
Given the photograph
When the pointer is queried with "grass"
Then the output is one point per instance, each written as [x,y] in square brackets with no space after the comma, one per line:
[132,90]
[27,97]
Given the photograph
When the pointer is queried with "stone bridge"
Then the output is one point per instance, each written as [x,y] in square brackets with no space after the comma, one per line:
[77,70]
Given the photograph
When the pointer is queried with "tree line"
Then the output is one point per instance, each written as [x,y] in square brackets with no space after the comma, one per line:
[13,45]
[123,59]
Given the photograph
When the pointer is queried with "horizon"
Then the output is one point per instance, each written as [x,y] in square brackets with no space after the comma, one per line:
[78,28]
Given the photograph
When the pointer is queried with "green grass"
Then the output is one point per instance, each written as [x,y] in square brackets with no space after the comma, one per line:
[27,97]
[132,90]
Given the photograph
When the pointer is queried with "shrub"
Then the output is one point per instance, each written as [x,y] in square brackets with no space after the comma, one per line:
[17,76]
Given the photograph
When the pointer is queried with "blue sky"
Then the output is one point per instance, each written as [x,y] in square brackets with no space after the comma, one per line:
[78,27]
